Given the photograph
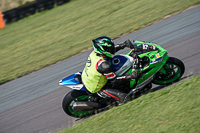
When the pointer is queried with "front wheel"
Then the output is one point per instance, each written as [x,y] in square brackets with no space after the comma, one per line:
[72,97]
[174,71]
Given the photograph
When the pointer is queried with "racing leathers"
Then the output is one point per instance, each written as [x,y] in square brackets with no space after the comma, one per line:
[98,72]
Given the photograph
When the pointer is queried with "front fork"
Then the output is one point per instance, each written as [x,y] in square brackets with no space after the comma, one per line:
[163,71]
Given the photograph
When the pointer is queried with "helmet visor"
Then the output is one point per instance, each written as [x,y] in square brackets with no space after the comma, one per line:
[110,49]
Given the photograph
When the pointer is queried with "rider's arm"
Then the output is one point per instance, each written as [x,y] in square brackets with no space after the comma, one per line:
[119,47]
[104,68]
[135,47]
[122,45]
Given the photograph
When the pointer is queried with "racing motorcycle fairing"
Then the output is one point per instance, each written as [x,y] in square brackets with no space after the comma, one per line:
[151,62]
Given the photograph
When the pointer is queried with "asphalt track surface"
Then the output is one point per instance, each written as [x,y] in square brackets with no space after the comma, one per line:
[33,103]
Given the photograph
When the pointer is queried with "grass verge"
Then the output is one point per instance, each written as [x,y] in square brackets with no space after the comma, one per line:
[172,110]
[51,36]
[10,4]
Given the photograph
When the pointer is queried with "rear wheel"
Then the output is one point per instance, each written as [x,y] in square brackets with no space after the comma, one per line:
[72,97]
[174,71]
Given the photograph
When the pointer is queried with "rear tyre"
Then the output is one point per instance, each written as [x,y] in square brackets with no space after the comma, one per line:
[175,70]
[74,96]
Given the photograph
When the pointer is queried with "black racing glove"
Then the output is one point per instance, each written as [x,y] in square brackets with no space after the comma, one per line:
[128,44]
[132,75]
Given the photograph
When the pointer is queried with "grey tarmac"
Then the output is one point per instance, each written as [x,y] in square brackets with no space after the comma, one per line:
[32,103]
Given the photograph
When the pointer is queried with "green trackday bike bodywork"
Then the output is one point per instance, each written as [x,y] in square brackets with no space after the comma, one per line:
[157,59]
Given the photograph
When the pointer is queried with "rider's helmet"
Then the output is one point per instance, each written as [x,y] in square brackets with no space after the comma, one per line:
[104,45]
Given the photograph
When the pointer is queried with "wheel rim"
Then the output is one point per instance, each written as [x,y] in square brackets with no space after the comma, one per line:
[173,73]
[79,113]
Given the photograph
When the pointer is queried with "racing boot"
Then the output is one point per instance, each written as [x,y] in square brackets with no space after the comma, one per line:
[114,94]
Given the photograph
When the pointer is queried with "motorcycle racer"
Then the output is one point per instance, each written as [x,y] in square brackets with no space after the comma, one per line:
[98,72]
[99,86]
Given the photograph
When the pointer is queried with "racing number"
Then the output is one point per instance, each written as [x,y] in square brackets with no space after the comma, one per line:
[145,46]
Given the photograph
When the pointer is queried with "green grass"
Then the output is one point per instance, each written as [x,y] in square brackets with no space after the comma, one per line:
[51,36]
[10,4]
[172,110]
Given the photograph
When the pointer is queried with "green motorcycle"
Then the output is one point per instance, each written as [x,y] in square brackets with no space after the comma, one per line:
[153,67]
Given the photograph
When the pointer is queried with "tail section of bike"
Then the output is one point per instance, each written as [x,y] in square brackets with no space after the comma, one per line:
[73,81]
[77,102]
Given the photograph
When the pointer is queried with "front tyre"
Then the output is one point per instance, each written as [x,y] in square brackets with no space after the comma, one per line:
[174,71]
[74,96]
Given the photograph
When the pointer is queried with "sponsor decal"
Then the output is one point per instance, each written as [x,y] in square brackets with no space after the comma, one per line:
[145,46]
[157,55]
[156,60]
[88,62]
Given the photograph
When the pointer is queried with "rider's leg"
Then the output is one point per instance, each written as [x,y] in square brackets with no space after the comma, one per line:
[110,93]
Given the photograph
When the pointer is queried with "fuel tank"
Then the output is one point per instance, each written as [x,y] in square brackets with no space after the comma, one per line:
[121,64]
